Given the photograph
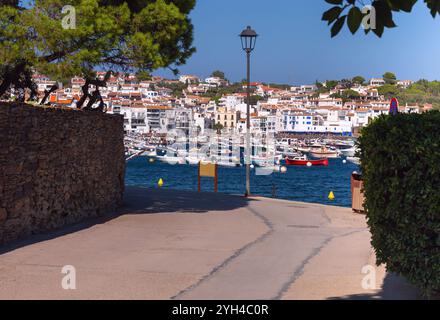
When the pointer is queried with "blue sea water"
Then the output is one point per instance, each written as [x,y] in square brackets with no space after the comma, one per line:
[306,184]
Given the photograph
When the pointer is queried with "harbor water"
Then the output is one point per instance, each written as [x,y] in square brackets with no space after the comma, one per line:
[305,184]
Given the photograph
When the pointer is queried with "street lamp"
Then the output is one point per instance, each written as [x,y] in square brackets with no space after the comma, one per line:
[248,39]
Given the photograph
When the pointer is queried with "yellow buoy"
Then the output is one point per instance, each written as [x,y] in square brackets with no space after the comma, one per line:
[331,196]
[151,160]
[160,183]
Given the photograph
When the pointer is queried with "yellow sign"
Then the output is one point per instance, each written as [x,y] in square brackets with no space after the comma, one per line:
[331,196]
[207,169]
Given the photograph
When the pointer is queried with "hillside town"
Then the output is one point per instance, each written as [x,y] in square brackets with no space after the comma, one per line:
[151,107]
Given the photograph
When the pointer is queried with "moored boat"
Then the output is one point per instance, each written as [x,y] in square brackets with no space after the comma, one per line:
[324,152]
[171,160]
[351,152]
[354,160]
[303,161]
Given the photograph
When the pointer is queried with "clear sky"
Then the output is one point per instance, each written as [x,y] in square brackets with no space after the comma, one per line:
[295,46]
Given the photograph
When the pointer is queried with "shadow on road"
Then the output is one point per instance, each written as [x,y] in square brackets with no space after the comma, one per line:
[144,201]
[150,201]
[394,288]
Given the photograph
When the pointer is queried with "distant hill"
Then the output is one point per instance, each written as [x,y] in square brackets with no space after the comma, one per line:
[421,92]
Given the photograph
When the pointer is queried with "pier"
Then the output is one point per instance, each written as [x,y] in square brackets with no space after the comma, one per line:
[166,244]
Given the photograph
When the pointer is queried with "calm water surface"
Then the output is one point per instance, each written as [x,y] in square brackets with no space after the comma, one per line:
[298,183]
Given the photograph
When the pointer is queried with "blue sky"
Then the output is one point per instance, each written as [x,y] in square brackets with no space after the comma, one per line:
[295,46]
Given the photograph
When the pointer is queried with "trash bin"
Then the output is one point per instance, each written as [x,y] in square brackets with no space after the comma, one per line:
[357,196]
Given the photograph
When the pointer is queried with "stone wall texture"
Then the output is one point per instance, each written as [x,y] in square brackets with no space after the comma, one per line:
[57,167]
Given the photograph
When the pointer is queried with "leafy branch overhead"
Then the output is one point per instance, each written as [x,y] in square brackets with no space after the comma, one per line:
[374,16]
[138,35]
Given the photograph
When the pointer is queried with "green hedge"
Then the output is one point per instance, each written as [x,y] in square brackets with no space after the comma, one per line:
[400,163]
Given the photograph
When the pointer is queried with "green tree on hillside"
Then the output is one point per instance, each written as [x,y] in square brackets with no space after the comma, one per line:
[389,78]
[321,89]
[176,87]
[389,91]
[278,86]
[331,84]
[421,92]
[218,74]
[358,80]
[346,95]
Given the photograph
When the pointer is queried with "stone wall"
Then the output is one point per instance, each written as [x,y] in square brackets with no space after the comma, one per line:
[57,166]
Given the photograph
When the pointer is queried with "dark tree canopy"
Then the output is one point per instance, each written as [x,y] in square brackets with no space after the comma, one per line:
[12,3]
[358,80]
[331,84]
[350,12]
[389,77]
[218,74]
[140,35]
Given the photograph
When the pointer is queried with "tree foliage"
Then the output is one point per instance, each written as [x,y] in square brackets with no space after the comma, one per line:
[216,93]
[349,12]
[421,92]
[218,74]
[140,35]
[389,91]
[401,172]
[331,84]
[281,86]
[389,78]
[358,80]
[218,127]
[176,87]
[346,95]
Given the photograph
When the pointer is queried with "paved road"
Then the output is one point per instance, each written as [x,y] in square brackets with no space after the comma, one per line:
[183,245]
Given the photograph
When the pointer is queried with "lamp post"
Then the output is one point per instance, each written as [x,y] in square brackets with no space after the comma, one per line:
[248,39]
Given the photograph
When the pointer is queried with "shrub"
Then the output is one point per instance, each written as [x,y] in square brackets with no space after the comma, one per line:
[400,163]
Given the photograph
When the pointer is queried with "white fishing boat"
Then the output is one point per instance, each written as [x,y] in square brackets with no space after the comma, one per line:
[222,162]
[324,152]
[228,164]
[283,142]
[291,154]
[302,149]
[150,151]
[194,158]
[171,159]
[354,160]
[192,161]
[225,161]
[132,155]
[269,168]
[350,152]
[264,160]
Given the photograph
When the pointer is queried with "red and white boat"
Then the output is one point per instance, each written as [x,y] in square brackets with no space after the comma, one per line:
[303,161]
